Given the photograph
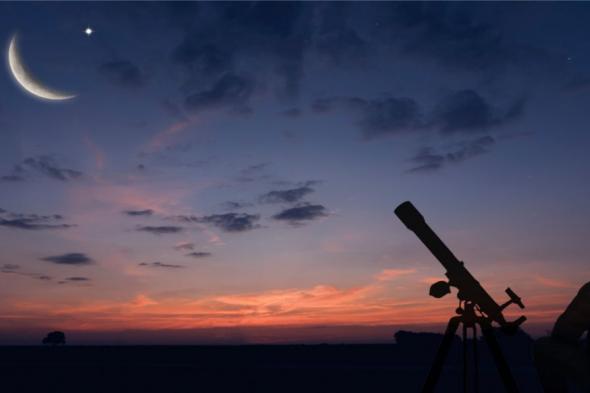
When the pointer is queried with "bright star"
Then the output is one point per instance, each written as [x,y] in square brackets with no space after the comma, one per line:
[88,31]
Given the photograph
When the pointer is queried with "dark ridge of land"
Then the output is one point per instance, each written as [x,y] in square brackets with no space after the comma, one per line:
[398,367]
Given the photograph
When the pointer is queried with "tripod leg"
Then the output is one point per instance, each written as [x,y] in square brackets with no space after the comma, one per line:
[475,361]
[441,355]
[465,358]
[501,364]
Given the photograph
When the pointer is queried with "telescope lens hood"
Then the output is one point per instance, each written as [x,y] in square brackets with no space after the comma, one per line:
[409,215]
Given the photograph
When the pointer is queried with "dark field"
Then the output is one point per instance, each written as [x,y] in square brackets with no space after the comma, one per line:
[296,368]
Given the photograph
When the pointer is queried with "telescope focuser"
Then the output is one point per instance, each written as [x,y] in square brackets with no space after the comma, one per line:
[514,299]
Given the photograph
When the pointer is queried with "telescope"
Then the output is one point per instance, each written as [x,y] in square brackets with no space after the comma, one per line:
[476,306]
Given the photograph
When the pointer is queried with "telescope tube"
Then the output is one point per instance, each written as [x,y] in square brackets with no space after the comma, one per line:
[459,277]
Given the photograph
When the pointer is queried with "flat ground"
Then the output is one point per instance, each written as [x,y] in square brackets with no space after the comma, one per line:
[296,368]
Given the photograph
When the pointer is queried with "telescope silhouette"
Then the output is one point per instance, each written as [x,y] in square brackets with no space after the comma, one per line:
[476,306]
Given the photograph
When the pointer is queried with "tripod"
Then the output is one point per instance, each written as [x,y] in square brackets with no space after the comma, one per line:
[469,319]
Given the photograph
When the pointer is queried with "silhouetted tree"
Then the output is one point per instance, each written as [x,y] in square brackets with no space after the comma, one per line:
[55,338]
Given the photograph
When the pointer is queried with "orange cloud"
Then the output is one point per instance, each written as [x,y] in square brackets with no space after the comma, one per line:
[391,274]
[431,280]
[371,304]
[552,282]
[321,304]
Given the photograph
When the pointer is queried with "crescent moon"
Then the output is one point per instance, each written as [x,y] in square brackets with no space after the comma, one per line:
[27,82]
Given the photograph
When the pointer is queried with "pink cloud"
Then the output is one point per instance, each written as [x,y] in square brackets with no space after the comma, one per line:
[97,152]
[169,133]
[392,274]
[552,282]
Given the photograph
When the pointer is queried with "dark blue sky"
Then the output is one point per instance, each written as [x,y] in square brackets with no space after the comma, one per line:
[237,164]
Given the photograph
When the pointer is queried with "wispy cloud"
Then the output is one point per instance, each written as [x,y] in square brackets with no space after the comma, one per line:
[97,152]
[392,274]
[160,230]
[11,268]
[32,221]
[553,282]
[228,222]
[301,214]
[44,165]
[184,246]
[168,134]
[199,254]
[145,212]
[161,264]
[123,73]
[72,258]
[290,195]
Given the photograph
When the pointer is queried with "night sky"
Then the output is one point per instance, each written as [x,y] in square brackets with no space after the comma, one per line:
[227,172]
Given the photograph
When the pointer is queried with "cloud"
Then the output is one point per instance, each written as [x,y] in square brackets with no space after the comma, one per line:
[202,57]
[449,35]
[146,212]
[235,205]
[46,165]
[577,83]
[277,33]
[342,45]
[17,175]
[323,105]
[123,73]
[299,214]
[269,38]
[388,116]
[467,111]
[292,112]
[553,282]
[287,196]
[166,140]
[162,265]
[199,254]
[184,246]
[462,111]
[12,178]
[377,117]
[392,274]
[172,109]
[30,224]
[228,222]
[73,258]
[254,172]
[11,268]
[160,230]
[77,279]
[230,90]
[428,159]
[81,281]
[32,221]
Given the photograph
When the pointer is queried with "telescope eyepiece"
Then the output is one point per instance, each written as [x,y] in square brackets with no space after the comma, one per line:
[409,215]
